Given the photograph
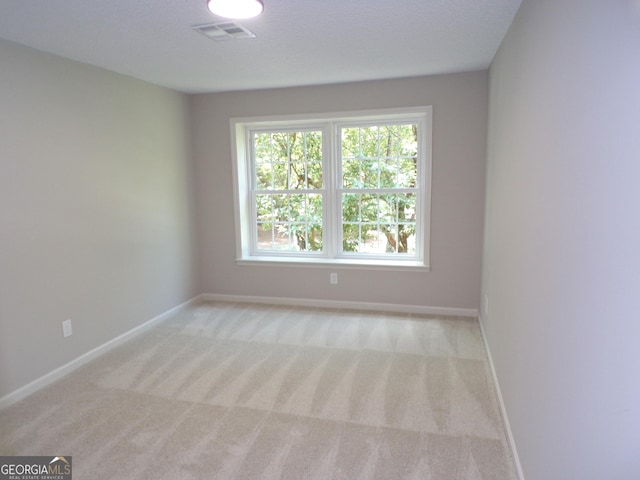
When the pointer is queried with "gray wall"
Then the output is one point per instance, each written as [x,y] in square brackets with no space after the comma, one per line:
[459,135]
[95,209]
[562,237]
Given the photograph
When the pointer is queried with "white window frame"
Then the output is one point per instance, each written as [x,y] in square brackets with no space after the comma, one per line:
[243,177]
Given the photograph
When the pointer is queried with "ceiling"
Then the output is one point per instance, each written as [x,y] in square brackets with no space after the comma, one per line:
[297,42]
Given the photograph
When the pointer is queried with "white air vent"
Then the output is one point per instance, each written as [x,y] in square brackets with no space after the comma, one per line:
[224,31]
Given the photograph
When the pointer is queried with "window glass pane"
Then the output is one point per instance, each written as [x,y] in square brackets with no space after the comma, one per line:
[368,208]
[387,154]
[280,207]
[280,147]
[350,143]
[314,145]
[351,174]
[376,158]
[376,242]
[369,175]
[291,222]
[408,140]
[369,144]
[264,235]
[407,172]
[350,237]
[264,176]
[388,208]
[280,180]
[295,144]
[264,208]
[297,207]
[262,145]
[305,237]
[282,237]
[314,175]
[273,236]
[379,156]
[314,209]
[350,207]
[407,207]
[264,173]
[406,238]
[314,223]
[379,223]
[390,234]
[288,160]
[368,238]
[385,140]
[297,175]
[400,238]
[397,135]
[388,173]
[314,238]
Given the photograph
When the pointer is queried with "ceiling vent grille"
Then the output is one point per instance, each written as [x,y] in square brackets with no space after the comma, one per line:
[224,31]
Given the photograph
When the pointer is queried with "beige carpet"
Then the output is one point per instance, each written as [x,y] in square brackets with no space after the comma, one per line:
[235,391]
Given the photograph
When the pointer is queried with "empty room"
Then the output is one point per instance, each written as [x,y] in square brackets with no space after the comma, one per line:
[320,240]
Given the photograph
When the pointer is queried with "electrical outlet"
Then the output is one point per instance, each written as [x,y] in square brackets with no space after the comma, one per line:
[333,278]
[67,330]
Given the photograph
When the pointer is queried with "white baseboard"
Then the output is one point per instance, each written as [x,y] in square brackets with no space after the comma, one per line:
[339,304]
[67,368]
[503,410]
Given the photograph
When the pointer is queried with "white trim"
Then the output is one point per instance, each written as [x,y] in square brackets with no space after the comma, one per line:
[361,264]
[329,123]
[344,116]
[76,363]
[503,409]
[339,304]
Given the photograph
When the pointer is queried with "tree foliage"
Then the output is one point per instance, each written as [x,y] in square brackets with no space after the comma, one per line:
[378,199]
[289,168]
[382,158]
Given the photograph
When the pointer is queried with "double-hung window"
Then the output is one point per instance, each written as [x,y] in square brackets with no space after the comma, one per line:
[350,188]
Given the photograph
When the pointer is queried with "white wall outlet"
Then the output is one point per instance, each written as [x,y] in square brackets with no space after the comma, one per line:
[67,330]
[333,278]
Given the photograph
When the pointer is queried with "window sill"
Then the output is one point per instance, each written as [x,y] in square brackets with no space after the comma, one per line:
[363,264]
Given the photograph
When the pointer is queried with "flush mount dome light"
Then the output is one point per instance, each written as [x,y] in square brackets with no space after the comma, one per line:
[236,8]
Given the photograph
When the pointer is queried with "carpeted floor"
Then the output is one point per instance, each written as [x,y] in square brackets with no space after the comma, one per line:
[238,391]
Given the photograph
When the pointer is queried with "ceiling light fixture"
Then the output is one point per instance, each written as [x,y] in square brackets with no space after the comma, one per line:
[236,8]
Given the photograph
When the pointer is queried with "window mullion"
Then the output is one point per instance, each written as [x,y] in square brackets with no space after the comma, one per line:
[332,205]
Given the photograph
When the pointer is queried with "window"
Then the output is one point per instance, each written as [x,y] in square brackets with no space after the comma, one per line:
[287,190]
[344,188]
